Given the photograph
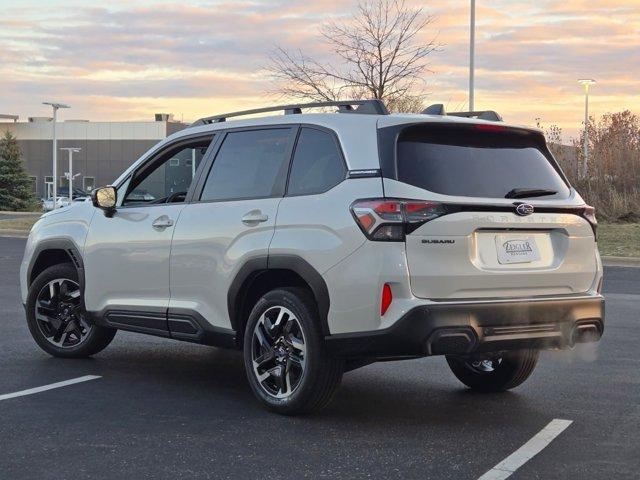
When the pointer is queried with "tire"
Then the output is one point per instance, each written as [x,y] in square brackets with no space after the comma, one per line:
[294,345]
[507,370]
[45,326]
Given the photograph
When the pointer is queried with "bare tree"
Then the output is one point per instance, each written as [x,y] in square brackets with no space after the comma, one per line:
[378,55]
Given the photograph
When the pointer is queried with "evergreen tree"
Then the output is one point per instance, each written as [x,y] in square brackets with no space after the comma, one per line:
[15,185]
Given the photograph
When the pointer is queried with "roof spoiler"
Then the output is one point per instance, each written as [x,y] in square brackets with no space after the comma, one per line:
[438,109]
[371,107]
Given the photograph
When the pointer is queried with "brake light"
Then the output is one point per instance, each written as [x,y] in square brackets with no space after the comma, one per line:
[589,214]
[489,128]
[386,298]
[390,220]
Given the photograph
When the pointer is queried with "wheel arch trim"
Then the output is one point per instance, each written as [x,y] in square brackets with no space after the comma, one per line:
[68,246]
[254,266]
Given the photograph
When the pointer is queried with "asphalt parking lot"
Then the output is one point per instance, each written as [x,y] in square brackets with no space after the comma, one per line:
[164,409]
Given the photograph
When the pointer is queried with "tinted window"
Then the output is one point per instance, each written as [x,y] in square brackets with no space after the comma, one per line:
[168,177]
[317,163]
[250,164]
[475,163]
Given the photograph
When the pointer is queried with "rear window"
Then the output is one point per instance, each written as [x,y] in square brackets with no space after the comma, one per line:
[466,161]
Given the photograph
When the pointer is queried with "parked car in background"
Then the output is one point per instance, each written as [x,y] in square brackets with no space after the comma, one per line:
[47,204]
[63,198]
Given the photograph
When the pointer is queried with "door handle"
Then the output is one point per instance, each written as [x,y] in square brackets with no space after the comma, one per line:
[162,222]
[254,217]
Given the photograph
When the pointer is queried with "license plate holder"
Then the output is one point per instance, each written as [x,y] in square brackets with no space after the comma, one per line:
[516,249]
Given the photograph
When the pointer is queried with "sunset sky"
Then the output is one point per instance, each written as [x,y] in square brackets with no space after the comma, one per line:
[132,59]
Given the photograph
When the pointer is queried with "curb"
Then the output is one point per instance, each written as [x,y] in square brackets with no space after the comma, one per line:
[22,214]
[611,261]
[7,232]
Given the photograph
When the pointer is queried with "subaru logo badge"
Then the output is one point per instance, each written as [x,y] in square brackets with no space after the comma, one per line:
[524,209]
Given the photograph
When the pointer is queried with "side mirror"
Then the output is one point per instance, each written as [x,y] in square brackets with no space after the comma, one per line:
[105,198]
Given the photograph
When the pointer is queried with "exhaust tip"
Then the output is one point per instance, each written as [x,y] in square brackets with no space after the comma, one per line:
[585,332]
[451,341]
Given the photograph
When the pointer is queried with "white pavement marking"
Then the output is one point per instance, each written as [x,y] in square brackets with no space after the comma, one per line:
[526,452]
[51,386]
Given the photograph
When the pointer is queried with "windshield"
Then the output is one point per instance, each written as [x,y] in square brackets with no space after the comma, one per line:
[477,163]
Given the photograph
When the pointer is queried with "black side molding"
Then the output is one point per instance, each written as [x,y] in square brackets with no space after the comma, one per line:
[176,323]
[190,326]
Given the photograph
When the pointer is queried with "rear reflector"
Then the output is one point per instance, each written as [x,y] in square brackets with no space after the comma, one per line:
[387,298]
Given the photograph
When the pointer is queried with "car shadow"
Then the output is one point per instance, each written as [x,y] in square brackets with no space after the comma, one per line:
[383,395]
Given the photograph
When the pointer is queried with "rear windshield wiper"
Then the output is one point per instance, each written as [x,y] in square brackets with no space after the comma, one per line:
[529,192]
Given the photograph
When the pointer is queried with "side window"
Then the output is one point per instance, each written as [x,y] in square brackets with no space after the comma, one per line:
[167,178]
[250,164]
[317,163]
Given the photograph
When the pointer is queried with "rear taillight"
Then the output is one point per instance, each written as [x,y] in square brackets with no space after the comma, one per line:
[390,220]
[589,214]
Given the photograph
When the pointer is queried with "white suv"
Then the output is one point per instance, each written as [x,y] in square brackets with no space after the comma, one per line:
[319,243]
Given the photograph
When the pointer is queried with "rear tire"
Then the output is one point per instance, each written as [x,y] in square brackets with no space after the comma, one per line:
[56,317]
[287,365]
[495,373]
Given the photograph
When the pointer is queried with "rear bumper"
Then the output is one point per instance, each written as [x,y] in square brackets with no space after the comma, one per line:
[474,327]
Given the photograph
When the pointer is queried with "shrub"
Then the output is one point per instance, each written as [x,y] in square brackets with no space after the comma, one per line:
[612,182]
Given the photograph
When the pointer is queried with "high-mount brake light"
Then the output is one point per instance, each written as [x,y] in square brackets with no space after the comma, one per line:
[390,220]
[489,128]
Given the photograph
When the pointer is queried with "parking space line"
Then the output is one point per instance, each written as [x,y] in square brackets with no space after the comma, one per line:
[51,386]
[527,451]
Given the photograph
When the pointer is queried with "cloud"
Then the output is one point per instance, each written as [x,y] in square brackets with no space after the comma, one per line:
[124,60]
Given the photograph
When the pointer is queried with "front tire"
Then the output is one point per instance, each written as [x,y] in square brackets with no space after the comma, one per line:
[495,372]
[288,367]
[56,317]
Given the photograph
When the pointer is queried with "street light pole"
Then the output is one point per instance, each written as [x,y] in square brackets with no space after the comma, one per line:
[586,82]
[71,151]
[55,107]
[472,54]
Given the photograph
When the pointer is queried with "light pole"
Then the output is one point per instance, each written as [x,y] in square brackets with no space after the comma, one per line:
[55,107]
[586,82]
[71,151]
[472,54]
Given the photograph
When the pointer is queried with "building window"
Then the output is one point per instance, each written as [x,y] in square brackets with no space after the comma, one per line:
[88,184]
[34,186]
[48,187]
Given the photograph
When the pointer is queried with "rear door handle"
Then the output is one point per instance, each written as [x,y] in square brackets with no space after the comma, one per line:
[162,222]
[254,217]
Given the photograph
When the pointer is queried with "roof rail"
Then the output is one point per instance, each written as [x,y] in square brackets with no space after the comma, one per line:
[438,109]
[373,107]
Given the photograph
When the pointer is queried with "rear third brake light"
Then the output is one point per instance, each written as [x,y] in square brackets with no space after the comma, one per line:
[489,128]
[390,220]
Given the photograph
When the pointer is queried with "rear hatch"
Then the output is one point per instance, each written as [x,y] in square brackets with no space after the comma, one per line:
[505,222]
